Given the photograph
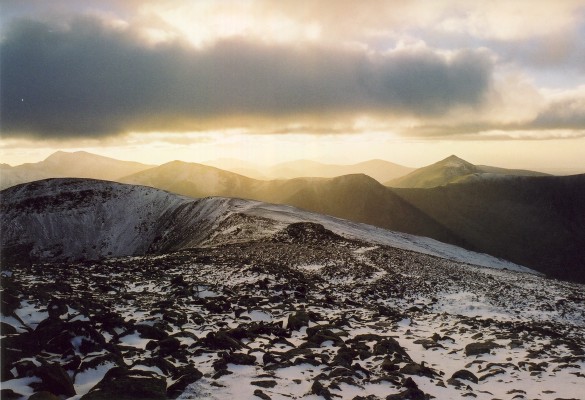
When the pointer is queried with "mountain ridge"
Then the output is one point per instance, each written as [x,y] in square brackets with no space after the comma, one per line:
[453,169]
[72,219]
[61,164]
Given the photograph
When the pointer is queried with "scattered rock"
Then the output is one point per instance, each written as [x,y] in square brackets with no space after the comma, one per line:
[477,348]
[269,384]
[261,394]
[465,375]
[297,320]
[123,384]
[55,380]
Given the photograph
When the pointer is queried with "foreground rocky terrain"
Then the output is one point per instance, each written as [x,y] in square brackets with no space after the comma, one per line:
[114,291]
[304,313]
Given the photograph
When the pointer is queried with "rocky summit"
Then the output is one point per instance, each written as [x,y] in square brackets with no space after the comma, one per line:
[297,311]
[306,314]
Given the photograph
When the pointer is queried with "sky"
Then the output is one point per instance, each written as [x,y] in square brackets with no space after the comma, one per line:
[498,83]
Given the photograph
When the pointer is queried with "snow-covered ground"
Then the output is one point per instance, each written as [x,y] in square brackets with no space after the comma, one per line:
[223,298]
[110,219]
[236,313]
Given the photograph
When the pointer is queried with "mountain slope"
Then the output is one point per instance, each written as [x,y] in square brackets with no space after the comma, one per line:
[195,180]
[265,300]
[70,219]
[535,221]
[517,218]
[453,170]
[61,164]
[355,197]
[380,170]
[291,316]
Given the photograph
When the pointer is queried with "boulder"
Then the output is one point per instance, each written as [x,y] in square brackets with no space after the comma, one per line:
[477,348]
[465,375]
[123,384]
[297,320]
[55,380]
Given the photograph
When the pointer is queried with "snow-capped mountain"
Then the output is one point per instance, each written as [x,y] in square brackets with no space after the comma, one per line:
[73,219]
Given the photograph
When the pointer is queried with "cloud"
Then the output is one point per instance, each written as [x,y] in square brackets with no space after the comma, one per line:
[560,116]
[90,78]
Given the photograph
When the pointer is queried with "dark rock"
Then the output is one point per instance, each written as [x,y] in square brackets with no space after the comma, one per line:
[7,329]
[150,332]
[268,358]
[306,232]
[465,375]
[221,341]
[417,369]
[10,301]
[412,392]
[344,357]
[168,346]
[476,348]
[515,343]
[218,305]
[44,395]
[268,384]
[389,365]
[101,360]
[25,368]
[175,317]
[124,384]
[320,390]
[341,371]
[428,343]
[240,359]
[297,320]
[55,380]
[56,308]
[179,386]
[321,336]
[389,346]
[196,318]
[9,394]
[109,320]
[261,394]
[492,373]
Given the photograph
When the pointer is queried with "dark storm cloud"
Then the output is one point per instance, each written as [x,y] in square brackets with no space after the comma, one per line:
[567,113]
[90,80]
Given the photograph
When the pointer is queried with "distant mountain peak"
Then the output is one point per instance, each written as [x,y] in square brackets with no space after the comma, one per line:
[453,159]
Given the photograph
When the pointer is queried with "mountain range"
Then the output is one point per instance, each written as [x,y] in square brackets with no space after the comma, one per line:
[62,164]
[380,170]
[536,221]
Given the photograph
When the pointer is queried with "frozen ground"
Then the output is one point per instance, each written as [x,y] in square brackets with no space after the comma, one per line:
[304,313]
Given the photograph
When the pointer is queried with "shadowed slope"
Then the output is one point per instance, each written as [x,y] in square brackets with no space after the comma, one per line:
[536,221]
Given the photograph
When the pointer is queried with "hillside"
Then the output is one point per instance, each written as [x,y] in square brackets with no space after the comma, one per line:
[61,164]
[380,170]
[534,221]
[517,218]
[453,170]
[265,301]
[76,219]
[355,197]
[195,180]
